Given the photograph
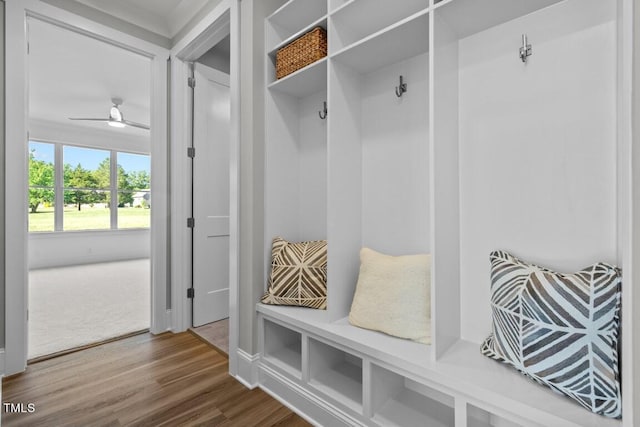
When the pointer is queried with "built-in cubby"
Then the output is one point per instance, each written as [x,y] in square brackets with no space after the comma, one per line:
[388,45]
[337,4]
[378,193]
[477,417]
[544,189]
[336,373]
[485,150]
[283,347]
[291,20]
[400,401]
[302,83]
[348,27]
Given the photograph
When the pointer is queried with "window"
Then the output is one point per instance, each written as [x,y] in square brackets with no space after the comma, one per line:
[41,187]
[72,188]
[134,194]
[87,187]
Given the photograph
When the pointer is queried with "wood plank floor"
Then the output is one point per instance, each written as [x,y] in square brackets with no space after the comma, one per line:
[166,380]
[216,334]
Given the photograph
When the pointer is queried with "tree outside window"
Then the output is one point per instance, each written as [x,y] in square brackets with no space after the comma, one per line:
[41,187]
[134,194]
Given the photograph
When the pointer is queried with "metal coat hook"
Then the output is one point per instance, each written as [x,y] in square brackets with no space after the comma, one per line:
[525,50]
[323,113]
[402,88]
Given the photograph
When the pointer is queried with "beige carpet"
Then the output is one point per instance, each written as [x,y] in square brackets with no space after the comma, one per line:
[75,306]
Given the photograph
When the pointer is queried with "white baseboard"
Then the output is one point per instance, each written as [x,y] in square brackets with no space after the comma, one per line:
[308,406]
[248,369]
[161,323]
[168,320]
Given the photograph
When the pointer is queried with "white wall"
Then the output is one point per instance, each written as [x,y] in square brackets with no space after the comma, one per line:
[218,57]
[111,21]
[85,247]
[2,181]
[632,348]
[251,164]
[102,139]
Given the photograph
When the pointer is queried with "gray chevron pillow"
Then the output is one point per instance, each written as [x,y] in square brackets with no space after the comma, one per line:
[561,330]
[298,274]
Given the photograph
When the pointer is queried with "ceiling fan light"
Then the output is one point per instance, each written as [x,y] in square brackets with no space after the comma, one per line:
[115,113]
[116,124]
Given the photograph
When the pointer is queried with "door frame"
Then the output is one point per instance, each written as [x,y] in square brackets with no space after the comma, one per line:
[224,19]
[16,166]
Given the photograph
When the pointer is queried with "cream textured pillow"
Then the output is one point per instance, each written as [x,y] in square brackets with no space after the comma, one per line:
[393,295]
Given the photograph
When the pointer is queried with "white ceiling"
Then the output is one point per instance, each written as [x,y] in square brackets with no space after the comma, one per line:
[73,75]
[164,17]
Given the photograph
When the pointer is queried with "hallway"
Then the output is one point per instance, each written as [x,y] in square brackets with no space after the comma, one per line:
[145,380]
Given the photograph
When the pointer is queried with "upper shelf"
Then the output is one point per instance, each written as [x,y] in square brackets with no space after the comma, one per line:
[348,26]
[467,17]
[307,80]
[273,50]
[292,17]
[397,42]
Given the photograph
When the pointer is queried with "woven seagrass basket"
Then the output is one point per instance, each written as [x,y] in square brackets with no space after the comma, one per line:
[301,52]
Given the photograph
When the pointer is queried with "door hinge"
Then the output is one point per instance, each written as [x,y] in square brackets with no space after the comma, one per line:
[191,152]
[190,292]
[191,222]
[191,82]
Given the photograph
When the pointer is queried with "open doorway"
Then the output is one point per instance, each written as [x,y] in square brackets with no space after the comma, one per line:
[211,195]
[89,190]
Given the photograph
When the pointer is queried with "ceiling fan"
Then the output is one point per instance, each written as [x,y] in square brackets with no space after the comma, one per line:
[115,118]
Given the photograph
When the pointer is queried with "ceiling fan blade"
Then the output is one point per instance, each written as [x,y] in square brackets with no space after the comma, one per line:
[89,119]
[134,124]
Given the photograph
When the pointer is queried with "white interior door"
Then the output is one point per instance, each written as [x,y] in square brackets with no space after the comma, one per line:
[211,196]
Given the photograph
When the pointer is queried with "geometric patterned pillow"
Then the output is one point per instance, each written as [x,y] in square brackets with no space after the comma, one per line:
[561,330]
[298,274]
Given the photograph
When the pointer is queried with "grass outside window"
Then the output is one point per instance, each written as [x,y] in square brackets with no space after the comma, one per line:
[89,218]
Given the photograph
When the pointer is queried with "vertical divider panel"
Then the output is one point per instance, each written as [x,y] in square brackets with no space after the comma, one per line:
[445,224]
[261,333]
[628,237]
[460,412]
[305,358]
[367,389]
[384,385]
[344,199]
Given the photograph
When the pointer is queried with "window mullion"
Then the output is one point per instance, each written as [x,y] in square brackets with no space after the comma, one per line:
[113,180]
[58,194]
